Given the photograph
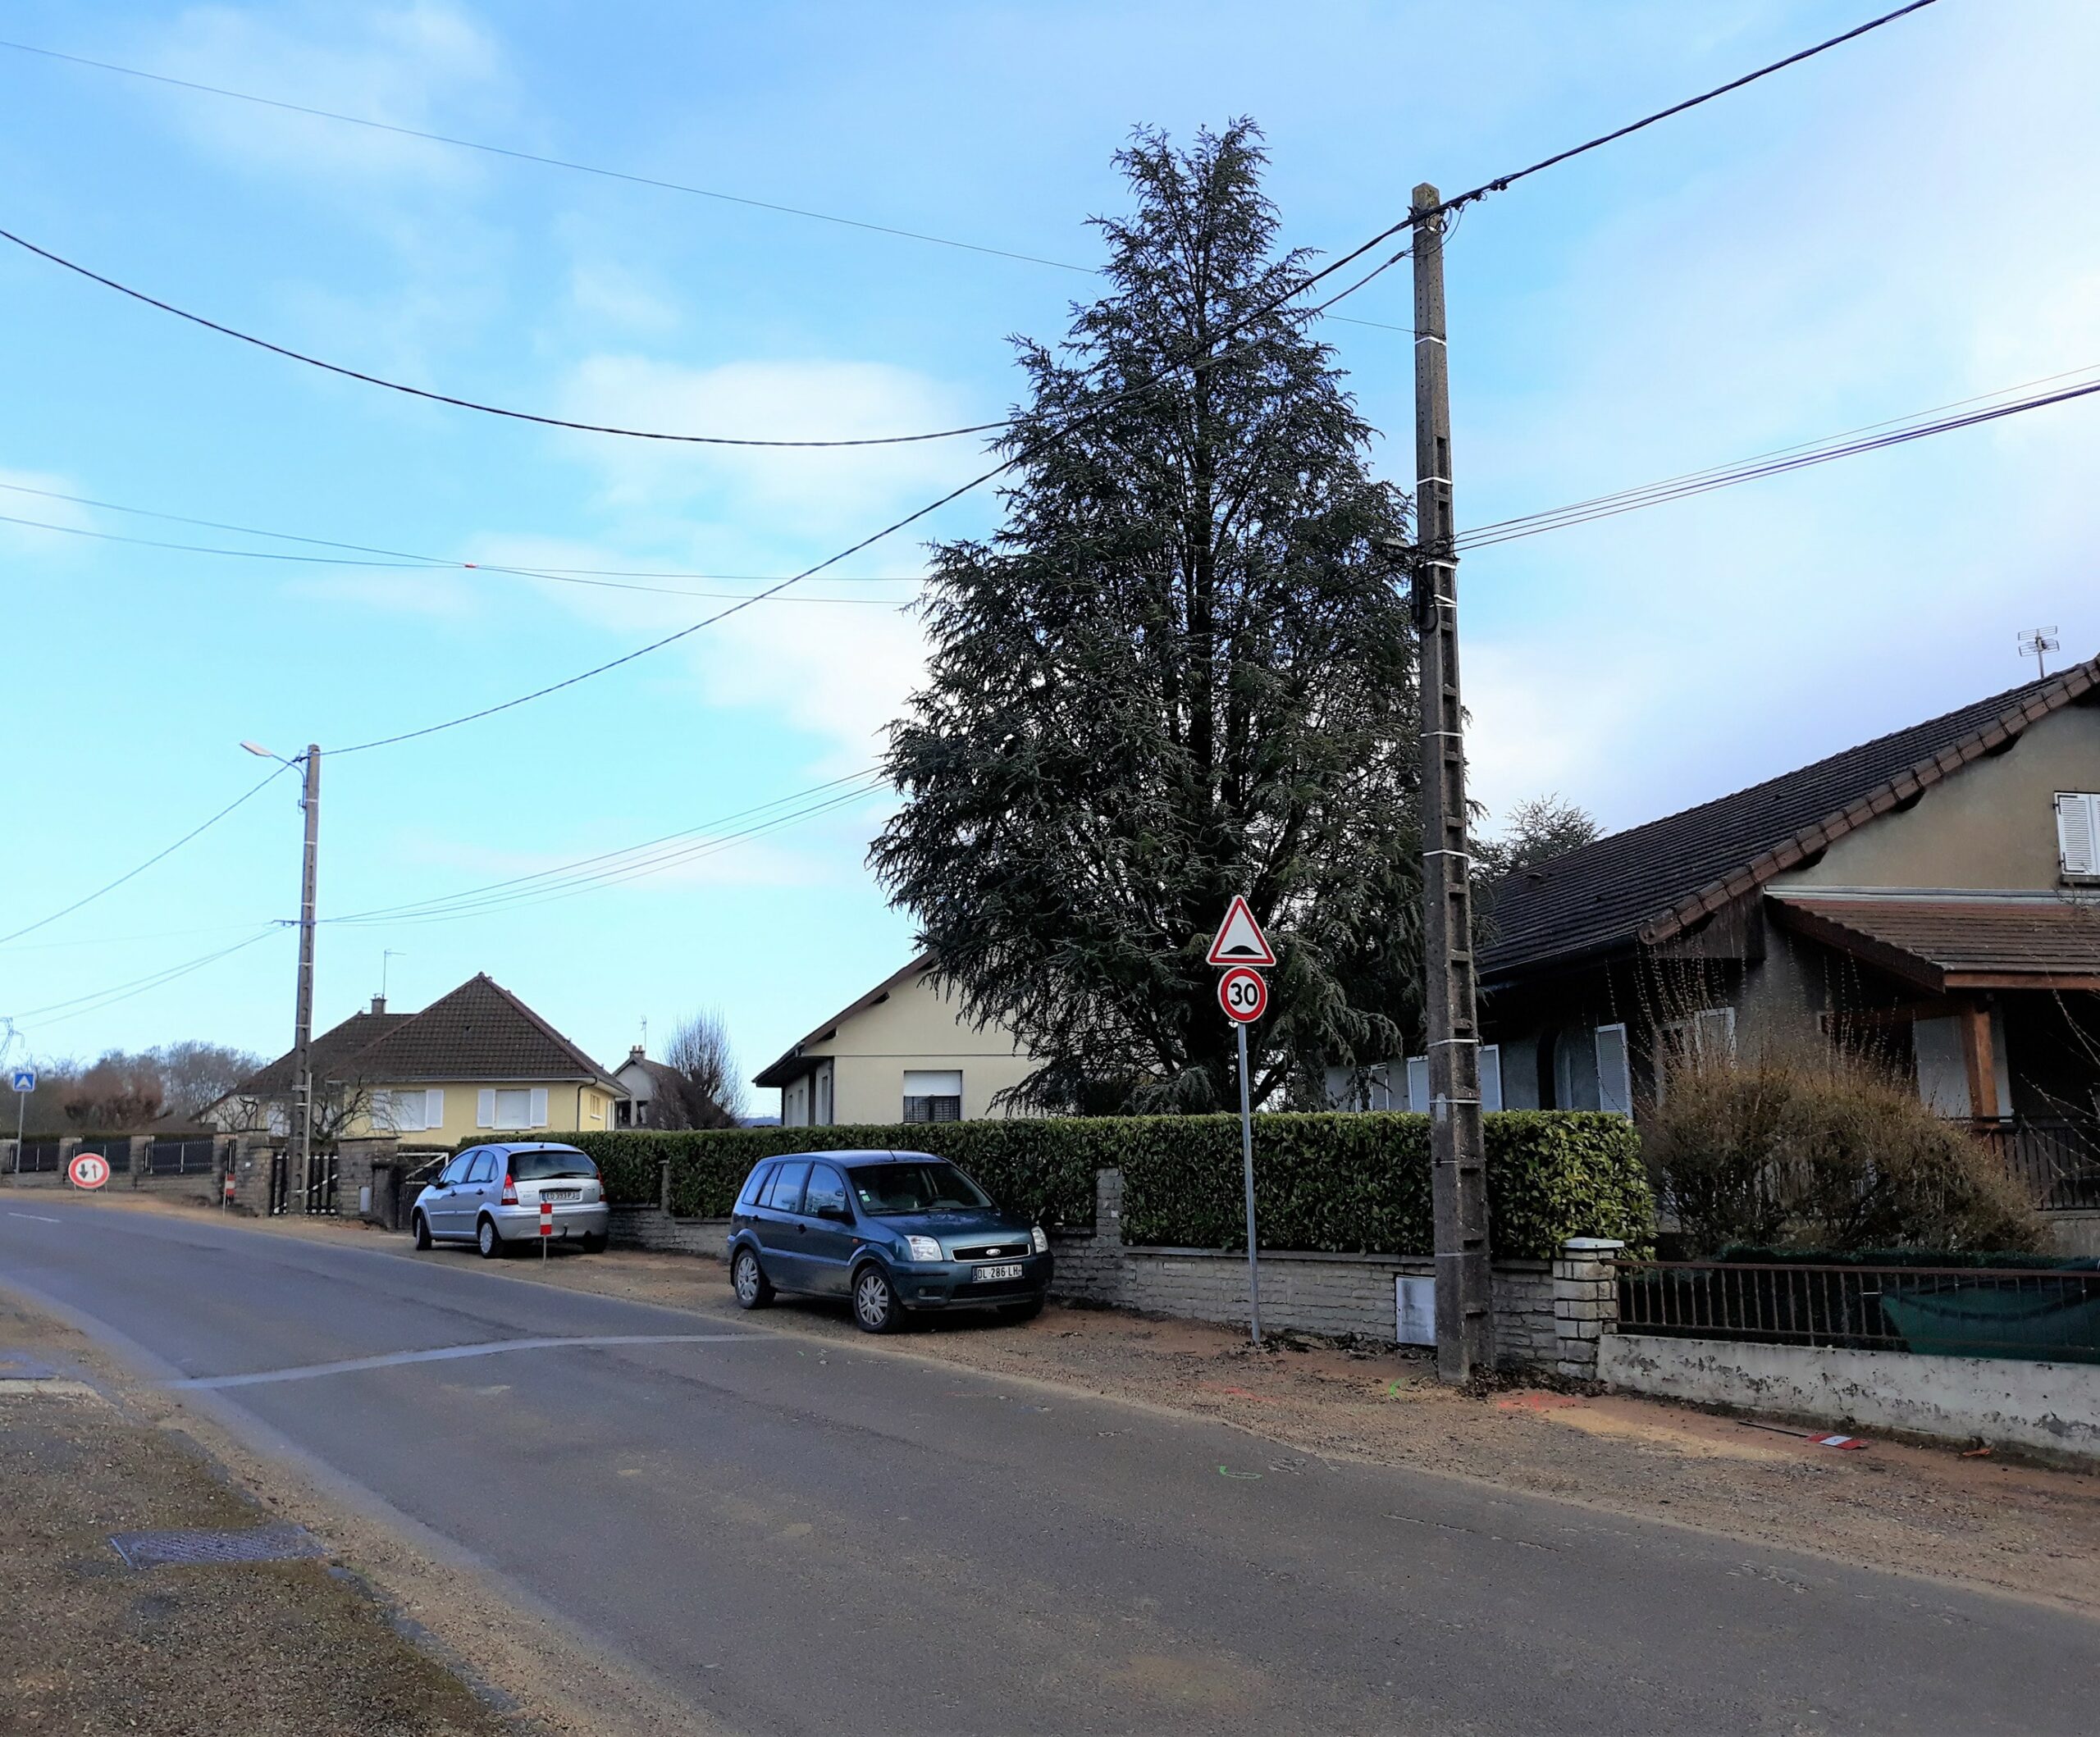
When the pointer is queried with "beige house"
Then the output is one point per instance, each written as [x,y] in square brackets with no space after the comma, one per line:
[476,1061]
[904,1052]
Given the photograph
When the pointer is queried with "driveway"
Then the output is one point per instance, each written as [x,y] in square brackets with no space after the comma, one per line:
[796,1533]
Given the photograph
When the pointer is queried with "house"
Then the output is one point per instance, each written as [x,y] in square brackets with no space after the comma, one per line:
[1939,887]
[903,1052]
[477,1060]
[656,1095]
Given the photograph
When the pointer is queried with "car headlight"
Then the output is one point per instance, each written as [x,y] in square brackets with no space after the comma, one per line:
[923,1248]
[1042,1242]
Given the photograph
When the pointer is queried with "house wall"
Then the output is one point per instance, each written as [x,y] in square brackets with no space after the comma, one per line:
[573,1107]
[916,1027]
[1992,824]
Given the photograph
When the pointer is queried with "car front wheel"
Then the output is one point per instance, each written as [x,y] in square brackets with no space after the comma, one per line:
[876,1306]
[754,1290]
[487,1240]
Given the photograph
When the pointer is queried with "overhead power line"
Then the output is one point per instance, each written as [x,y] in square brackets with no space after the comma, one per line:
[158,856]
[96,1000]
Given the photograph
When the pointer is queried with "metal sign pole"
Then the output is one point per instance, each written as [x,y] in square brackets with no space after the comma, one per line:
[22,1112]
[1247,1166]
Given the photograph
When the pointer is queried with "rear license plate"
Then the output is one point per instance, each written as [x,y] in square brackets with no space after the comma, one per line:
[986,1274]
[561,1194]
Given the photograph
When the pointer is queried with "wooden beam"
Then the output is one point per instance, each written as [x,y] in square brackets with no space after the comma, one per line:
[1976,1054]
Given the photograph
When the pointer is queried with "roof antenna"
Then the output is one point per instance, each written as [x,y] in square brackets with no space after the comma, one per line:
[645,1034]
[386,954]
[2035,643]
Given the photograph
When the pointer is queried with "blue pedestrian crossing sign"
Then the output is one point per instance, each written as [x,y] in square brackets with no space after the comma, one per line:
[24,1079]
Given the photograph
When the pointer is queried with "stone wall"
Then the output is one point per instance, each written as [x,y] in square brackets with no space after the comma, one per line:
[654,1228]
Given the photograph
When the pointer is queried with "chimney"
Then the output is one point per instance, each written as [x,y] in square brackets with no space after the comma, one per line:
[379,1004]
[634,1055]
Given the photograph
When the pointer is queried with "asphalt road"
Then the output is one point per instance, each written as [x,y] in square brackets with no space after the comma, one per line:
[796,1535]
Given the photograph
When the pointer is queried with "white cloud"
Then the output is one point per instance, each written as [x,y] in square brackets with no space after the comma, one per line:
[425,65]
[611,292]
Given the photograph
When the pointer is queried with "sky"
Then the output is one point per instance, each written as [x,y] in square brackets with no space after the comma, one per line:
[1900,224]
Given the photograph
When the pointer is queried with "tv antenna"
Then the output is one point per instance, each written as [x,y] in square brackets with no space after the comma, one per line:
[2037,643]
[387,955]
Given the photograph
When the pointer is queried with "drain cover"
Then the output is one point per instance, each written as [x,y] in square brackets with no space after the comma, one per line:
[281,1544]
[19,1365]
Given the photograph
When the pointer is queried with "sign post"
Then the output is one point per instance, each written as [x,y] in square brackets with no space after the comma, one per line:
[24,1081]
[546,1226]
[1243,993]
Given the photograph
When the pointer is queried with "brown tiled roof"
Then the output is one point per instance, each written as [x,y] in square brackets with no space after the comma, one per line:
[480,1031]
[1652,881]
[1943,941]
[331,1051]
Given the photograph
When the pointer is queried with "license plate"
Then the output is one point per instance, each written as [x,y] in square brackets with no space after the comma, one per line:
[561,1194]
[985,1274]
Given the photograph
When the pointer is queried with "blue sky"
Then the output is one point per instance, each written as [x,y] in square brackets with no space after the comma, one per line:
[1903,223]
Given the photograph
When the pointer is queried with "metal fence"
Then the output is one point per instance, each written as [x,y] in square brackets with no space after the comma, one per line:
[114,1150]
[37,1157]
[2019,1312]
[181,1155]
[2057,1162]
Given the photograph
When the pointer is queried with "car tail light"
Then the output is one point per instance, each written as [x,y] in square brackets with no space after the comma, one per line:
[510,1190]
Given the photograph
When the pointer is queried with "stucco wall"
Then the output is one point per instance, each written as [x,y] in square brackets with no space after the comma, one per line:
[565,1100]
[916,1027]
[2051,1407]
[1992,824]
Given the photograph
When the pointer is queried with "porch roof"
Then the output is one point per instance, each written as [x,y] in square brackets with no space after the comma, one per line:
[1948,940]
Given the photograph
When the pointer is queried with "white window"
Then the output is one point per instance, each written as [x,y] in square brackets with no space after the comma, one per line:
[1591,1070]
[411,1112]
[1491,1076]
[1419,1084]
[2078,835]
[932,1095]
[507,1106]
[1614,1074]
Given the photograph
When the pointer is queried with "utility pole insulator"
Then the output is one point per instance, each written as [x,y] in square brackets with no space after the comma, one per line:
[1465,1319]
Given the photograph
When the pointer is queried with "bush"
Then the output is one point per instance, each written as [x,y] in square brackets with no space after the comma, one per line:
[1826,1151]
[1360,1183]
[1334,1182]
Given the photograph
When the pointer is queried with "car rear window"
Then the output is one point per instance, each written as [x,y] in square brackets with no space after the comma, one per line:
[544,1166]
[754,1185]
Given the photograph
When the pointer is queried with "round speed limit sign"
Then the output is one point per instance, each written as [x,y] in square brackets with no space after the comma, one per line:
[1243,994]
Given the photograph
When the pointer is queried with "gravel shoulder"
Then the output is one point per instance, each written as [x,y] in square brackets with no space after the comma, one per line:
[1993,1522]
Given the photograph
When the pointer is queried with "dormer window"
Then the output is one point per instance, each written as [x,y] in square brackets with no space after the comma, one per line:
[2078,834]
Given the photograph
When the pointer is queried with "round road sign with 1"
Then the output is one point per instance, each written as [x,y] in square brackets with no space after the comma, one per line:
[88,1170]
[1243,994]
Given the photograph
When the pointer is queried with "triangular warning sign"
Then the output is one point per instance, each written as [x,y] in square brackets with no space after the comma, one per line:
[1241,941]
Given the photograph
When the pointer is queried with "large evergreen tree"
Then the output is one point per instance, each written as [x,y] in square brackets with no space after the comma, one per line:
[1178,672]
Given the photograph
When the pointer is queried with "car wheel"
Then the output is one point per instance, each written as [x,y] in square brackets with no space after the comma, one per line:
[754,1289]
[876,1306]
[595,1245]
[487,1240]
[423,1231]
[1026,1311]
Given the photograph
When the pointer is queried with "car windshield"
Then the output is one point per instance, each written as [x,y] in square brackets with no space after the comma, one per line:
[892,1190]
[544,1166]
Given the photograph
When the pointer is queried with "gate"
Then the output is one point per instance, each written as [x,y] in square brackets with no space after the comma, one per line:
[181,1155]
[321,1174]
[279,1163]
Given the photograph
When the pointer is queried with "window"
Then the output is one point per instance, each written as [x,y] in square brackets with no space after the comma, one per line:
[2078,835]
[1491,1076]
[754,1185]
[410,1112]
[1591,1070]
[826,1192]
[893,1190]
[552,1163]
[1419,1084]
[519,1106]
[454,1170]
[785,1195]
[932,1095]
[483,1168]
[1709,1035]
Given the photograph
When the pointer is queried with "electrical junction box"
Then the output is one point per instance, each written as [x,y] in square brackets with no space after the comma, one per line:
[1414,1309]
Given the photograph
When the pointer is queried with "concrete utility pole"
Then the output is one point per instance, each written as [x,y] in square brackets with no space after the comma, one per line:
[1465,1322]
[303,1020]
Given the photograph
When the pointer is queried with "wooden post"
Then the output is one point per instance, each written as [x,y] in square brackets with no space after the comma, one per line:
[1979,1057]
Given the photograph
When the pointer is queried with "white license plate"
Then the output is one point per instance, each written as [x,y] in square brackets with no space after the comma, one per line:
[986,1274]
[561,1194]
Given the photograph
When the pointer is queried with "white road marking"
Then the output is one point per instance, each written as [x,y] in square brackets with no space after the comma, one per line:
[445,1353]
[37,1216]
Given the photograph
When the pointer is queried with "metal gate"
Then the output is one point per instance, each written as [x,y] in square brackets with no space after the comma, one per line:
[181,1155]
[321,1174]
[318,1197]
[114,1150]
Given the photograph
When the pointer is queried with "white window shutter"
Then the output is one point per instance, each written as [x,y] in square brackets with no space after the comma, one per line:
[434,1107]
[1491,1076]
[538,1106]
[1614,1079]
[1419,1084]
[484,1108]
[2077,833]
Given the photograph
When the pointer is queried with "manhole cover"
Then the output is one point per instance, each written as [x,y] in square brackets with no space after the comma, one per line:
[281,1544]
[19,1365]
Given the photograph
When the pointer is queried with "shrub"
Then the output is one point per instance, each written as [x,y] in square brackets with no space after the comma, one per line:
[1824,1151]
[1335,1183]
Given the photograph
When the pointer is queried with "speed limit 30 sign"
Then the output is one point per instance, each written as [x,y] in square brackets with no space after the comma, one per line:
[1243,993]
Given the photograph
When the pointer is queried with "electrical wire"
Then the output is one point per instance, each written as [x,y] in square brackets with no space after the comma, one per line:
[96,1000]
[158,856]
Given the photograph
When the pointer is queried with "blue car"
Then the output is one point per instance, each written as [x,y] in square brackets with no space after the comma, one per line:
[895,1232]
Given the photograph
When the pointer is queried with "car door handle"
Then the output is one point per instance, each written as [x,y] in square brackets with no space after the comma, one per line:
[801,1230]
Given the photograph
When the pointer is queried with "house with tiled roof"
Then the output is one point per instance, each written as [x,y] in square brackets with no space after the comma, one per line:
[1937,887]
[477,1060]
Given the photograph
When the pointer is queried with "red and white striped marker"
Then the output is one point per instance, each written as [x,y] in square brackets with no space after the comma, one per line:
[546,1224]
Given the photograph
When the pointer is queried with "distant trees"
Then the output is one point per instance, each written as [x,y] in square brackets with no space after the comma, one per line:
[712,1090]
[170,1086]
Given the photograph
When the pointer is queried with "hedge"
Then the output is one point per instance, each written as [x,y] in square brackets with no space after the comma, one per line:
[1343,1183]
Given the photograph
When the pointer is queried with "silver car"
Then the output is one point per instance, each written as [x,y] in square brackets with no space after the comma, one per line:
[492,1196]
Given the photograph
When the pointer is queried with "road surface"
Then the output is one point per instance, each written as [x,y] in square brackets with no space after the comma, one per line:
[798,1535]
